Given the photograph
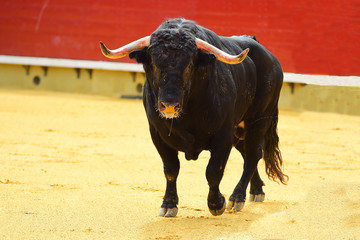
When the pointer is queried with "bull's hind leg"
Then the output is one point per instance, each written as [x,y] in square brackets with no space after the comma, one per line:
[251,150]
[171,164]
[256,192]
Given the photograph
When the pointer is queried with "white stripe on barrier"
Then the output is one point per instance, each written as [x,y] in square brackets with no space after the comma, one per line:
[71,63]
[326,80]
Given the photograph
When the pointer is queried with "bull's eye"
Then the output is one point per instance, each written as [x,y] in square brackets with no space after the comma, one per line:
[156,72]
[188,69]
[187,76]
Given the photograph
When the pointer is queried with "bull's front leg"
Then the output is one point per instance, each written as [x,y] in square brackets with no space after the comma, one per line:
[214,172]
[171,164]
[170,201]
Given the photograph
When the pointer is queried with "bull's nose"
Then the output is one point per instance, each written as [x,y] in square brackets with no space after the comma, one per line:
[169,107]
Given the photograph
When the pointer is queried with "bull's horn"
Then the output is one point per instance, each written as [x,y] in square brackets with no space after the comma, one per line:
[221,55]
[125,50]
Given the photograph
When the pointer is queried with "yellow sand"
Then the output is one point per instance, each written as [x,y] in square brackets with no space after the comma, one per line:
[84,167]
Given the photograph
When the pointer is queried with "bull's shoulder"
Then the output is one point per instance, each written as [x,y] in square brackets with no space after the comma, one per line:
[261,56]
[246,41]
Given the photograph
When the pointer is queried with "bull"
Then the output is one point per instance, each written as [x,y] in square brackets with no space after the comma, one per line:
[200,94]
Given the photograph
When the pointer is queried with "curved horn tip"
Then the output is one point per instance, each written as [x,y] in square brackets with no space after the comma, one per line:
[247,50]
[104,49]
[243,55]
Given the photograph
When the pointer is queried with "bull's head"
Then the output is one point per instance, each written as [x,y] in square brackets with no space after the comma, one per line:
[169,58]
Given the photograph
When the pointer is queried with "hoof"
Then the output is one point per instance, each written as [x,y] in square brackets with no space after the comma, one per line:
[235,206]
[168,212]
[230,205]
[257,197]
[218,212]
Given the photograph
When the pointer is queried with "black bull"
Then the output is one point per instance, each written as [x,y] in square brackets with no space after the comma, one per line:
[195,102]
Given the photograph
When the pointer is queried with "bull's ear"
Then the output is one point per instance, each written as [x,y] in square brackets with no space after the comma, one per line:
[141,56]
[205,58]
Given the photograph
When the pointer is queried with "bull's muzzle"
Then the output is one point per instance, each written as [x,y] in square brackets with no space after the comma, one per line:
[169,110]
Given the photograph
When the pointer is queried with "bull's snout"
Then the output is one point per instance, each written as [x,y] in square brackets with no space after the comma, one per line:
[169,110]
[169,107]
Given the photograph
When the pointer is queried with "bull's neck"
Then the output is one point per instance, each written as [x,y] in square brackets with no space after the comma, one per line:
[199,86]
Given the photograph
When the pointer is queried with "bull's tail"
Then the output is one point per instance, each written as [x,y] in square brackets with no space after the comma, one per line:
[272,154]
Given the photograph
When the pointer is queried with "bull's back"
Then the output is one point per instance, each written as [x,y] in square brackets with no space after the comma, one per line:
[264,60]
[269,74]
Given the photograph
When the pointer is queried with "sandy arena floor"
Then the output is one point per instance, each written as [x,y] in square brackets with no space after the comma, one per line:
[84,167]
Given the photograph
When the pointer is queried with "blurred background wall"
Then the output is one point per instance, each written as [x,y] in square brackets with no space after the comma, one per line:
[313,37]
[54,44]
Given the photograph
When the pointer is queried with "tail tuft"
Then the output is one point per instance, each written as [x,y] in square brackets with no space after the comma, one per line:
[272,154]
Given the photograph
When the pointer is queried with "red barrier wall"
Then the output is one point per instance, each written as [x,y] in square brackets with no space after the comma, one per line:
[307,36]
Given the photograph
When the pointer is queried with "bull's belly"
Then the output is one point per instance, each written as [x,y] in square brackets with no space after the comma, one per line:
[191,151]
[192,155]
[191,146]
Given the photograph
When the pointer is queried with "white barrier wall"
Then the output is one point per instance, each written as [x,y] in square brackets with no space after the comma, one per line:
[300,92]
